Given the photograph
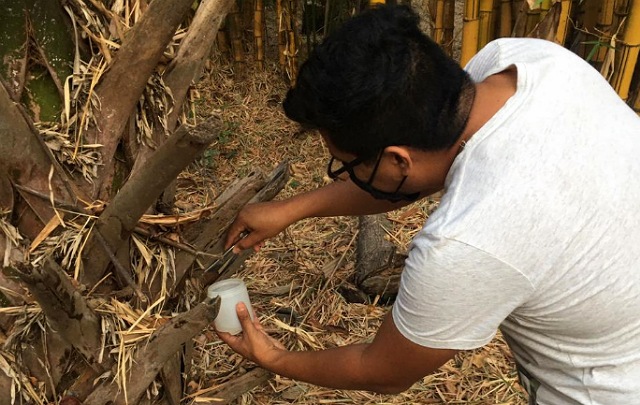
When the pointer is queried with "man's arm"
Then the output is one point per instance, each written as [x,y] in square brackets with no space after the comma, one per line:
[390,364]
[267,219]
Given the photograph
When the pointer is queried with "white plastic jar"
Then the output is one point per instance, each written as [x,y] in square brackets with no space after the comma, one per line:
[231,292]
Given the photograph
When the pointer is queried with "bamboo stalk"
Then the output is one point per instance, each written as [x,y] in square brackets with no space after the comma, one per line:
[438,22]
[563,23]
[485,23]
[495,29]
[629,48]
[282,34]
[588,21]
[519,18]
[506,18]
[470,28]
[449,25]
[635,104]
[532,19]
[235,22]
[544,8]
[258,32]
[292,40]
[605,17]
[605,28]
[224,47]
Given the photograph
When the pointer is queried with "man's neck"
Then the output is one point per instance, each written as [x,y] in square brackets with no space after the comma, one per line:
[491,95]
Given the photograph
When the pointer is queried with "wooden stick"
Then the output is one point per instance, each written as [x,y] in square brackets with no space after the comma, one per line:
[233,389]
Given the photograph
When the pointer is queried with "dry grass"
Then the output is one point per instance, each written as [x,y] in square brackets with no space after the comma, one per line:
[298,271]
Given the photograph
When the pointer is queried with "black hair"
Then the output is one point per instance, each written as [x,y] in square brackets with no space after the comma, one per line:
[379,81]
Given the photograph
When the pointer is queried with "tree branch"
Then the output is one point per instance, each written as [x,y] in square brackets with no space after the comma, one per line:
[124,82]
[121,216]
[65,308]
[153,354]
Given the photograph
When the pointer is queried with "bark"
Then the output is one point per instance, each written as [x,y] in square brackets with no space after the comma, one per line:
[172,379]
[386,283]
[378,266]
[121,216]
[26,161]
[196,46]
[206,235]
[6,193]
[374,253]
[277,180]
[233,389]
[548,26]
[154,354]
[123,84]
[65,308]
[184,69]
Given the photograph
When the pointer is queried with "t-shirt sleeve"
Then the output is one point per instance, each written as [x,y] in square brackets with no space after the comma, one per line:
[453,295]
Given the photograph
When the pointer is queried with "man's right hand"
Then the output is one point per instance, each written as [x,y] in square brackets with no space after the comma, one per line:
[261,221]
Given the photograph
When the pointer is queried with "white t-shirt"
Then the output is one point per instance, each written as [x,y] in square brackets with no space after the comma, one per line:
[538,234]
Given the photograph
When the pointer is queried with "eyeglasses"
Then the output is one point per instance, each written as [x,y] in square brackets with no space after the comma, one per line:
[334,173]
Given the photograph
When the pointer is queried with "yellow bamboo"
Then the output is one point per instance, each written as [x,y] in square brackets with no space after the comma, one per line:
[634,100]
[258,32]
[438,23]
[605,17]
[282,34]
[629,47]
[563,23]
[470,28]
[449,24]
[485,29]
[635,104]
[505,18]
[292,39]
[605,28]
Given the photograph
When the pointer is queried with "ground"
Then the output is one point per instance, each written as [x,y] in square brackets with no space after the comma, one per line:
[299,271]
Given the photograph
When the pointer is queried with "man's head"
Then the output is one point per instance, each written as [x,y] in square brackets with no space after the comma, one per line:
[379,81]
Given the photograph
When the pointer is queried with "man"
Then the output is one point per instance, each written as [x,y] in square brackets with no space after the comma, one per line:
[537,232]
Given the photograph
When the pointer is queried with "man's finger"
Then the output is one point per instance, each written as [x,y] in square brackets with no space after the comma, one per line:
[228,338]
[251,240]
[232,235]
[245,319]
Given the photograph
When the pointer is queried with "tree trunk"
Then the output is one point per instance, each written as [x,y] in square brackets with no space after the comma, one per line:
[27,161]
[123,84]
[378,266]
[122,215]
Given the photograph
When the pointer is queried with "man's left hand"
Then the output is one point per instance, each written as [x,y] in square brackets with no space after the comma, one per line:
[253,343]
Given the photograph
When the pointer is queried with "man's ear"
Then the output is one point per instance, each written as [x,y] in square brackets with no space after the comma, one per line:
[400,156]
